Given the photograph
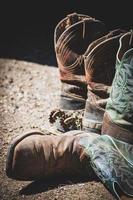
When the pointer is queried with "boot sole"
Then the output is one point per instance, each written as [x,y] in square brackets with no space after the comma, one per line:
[11,148]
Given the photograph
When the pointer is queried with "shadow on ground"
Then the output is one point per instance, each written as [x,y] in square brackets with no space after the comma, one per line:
[46,185]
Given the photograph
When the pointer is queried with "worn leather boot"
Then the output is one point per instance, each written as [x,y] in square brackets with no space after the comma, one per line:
[111,154]
[34,156]
[72,37]
[99,60]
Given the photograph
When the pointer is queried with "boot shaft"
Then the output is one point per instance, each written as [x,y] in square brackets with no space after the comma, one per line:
[118,119]
[72,37]
[100,60]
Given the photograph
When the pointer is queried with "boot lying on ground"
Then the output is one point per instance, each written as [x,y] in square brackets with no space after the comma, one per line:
[111,154]
[33,156]
[72,37]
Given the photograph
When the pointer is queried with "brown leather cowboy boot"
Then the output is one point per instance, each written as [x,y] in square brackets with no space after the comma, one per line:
[33,156]
[72,37]
[100,59]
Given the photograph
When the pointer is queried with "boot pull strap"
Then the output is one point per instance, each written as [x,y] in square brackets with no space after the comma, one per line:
[83,34]
[131,39]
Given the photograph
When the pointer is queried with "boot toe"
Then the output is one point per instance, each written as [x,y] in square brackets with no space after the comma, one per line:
[22,160]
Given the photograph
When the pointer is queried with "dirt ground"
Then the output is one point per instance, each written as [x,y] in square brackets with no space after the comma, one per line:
[28,92]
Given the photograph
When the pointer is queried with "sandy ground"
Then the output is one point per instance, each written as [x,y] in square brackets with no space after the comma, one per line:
[28,92]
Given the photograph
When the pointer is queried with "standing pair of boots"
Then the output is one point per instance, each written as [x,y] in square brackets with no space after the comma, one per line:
[96,73]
